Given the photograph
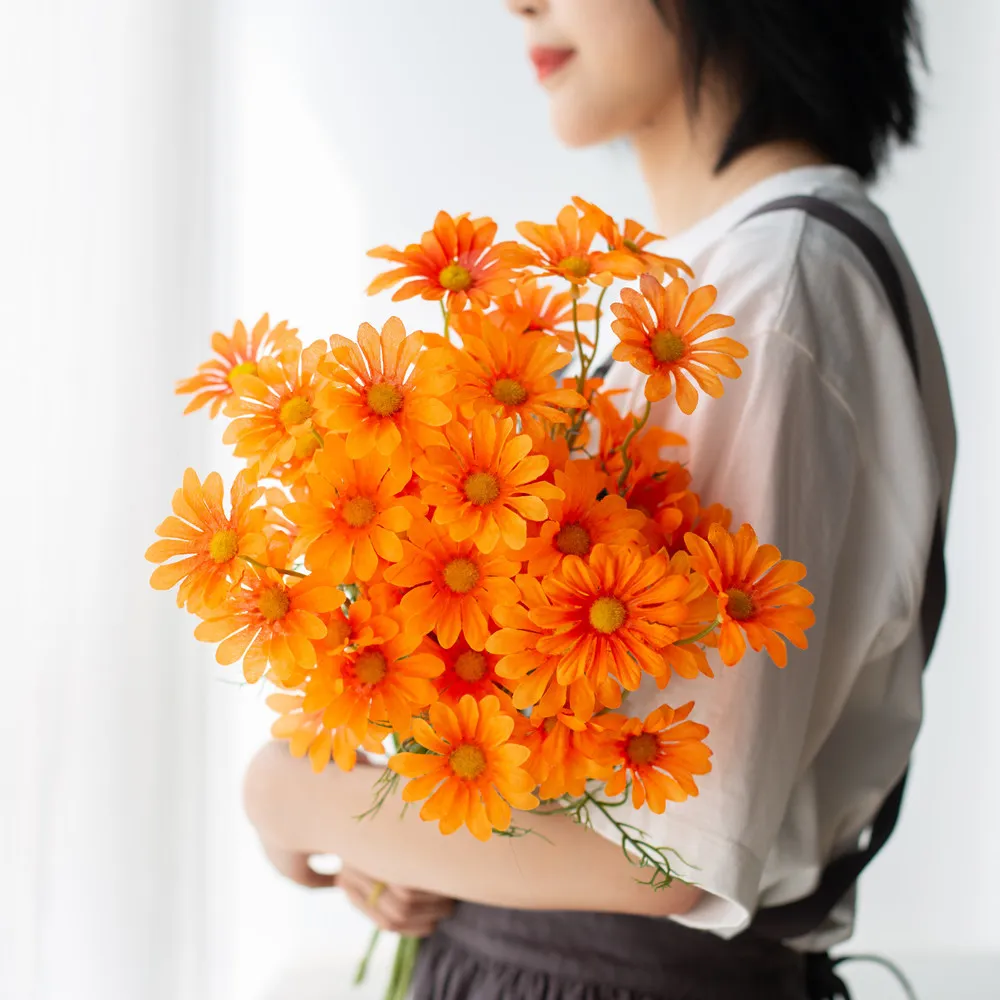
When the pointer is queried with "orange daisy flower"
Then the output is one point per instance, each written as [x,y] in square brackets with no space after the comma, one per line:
[660,754]
[379,396]
[610,615]
[265,621]
[306,734]
[470,671]
[549,443]
[560,761]
[215,547]
[486,484]
[472,774]
[531,675]
[564,250]
[665,345]
[689,660]
[580,520]
[353,513]
[452,587]
[367,620]
[509,375]
[273,409]
[758,591]
[238,355]
[530,310]
[384,685]
[657,490]
[698,519]
[456,259]
[634,240]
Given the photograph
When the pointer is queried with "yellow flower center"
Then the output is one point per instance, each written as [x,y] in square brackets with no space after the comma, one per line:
[306,445]
[642,749]
[359,512]
[573,540]
[455,278]
[482,488]
[740,604]
[471,666]
[468,761]
[461,575]
[369,668]
[607,614]
[384,398]
[509,391]
[295,410]
[667,347]
[631,245]
[224,546]
[273,603]
[243,368]
[578,267]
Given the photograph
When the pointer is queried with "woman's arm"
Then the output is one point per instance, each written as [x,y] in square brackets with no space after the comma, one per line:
[572,868]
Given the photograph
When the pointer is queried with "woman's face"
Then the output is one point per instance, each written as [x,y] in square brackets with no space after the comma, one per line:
[609,66]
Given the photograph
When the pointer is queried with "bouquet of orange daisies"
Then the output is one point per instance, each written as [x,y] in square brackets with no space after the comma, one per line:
[446,548]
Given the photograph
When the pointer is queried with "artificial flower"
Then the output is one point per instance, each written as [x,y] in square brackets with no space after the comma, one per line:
[456,259]
[451,587]
[660,755]
[665,344]
[510,375]
[353,515]
[238,355]
[215,546]
[758,591]
[472,774]
[265,621]
[564,250]
[378,394]
[487,484]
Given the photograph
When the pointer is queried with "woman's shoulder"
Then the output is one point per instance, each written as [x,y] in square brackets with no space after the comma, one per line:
[789,275]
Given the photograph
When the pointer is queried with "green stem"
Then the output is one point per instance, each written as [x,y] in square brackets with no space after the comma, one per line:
[359,976]
[597,328]
[447,322]
[260,565]
[402,968]
[649,857]
[701,635]
[637,426]
[581,379]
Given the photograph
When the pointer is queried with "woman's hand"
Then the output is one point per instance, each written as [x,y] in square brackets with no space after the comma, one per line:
[395,908]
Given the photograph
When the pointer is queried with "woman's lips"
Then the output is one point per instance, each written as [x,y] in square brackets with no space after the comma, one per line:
[547,60]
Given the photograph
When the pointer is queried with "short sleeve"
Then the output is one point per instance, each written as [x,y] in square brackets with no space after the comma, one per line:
[780,449]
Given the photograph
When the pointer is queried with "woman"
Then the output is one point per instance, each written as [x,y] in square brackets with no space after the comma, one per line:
[827,444]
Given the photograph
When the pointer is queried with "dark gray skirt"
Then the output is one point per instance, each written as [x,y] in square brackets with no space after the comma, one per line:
[487,953]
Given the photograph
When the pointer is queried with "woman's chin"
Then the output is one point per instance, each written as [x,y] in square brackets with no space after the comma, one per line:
[577,126]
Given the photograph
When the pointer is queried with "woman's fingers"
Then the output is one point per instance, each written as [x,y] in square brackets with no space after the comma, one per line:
[394,908]
[414,925]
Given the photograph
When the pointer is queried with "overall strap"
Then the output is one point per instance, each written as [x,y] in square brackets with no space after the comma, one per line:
[803,916]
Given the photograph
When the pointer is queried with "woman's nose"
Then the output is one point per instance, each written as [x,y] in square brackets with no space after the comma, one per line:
[523,9]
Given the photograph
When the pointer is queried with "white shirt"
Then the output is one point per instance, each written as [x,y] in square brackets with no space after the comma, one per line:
[826,447]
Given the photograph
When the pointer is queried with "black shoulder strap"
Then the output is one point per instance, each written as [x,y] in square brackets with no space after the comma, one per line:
[804,915]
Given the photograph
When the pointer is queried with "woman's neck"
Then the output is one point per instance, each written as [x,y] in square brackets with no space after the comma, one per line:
[678,155]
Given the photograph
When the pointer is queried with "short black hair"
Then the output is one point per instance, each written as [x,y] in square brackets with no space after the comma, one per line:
[834,73]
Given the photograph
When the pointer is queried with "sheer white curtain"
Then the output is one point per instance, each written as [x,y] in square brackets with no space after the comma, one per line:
[169,165]
[105,277]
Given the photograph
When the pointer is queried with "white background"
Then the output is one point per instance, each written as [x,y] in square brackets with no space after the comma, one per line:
[170,165]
